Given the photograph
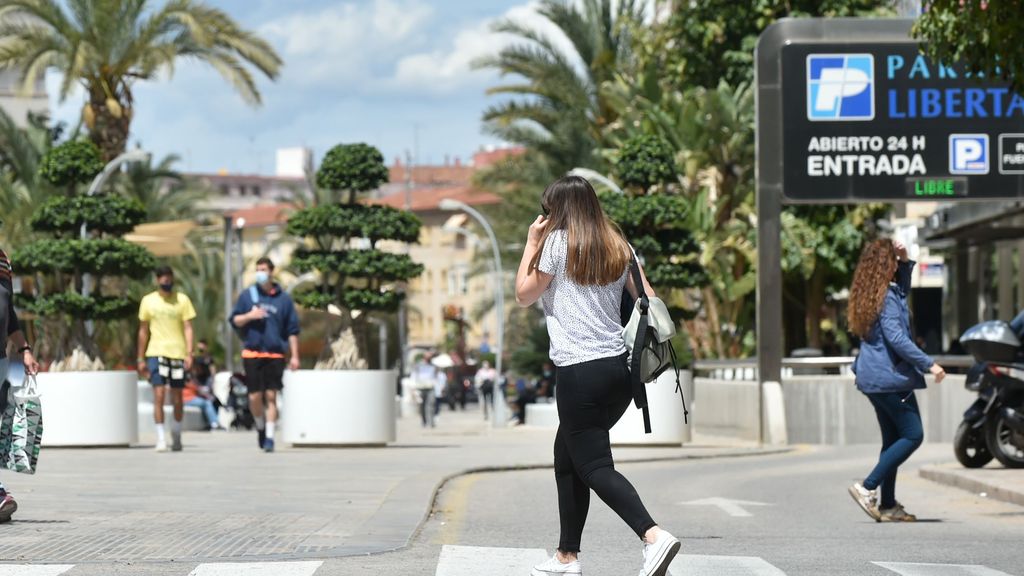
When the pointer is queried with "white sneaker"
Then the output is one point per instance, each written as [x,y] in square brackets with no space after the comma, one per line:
[161,446]
[659,555]
[552,566]
[866,499]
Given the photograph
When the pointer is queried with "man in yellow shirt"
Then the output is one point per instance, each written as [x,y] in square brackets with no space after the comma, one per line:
[165,334]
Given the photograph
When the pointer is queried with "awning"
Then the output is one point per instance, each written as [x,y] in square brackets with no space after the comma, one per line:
[162,238]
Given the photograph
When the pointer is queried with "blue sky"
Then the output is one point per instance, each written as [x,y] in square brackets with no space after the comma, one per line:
[376,71]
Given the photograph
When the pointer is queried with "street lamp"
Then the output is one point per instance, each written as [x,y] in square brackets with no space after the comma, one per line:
[136,155]
[451,205]
[596,177]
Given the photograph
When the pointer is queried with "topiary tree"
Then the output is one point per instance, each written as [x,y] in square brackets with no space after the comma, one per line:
[61,264]
[352,277]
[654,216]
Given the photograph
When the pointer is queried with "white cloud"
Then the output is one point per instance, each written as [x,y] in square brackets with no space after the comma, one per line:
[347,41]
[451,67]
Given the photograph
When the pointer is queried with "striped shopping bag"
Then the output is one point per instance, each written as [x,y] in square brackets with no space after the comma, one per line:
[21,428]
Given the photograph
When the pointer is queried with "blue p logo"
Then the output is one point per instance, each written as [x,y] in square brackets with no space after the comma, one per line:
[840,87]
[968,153]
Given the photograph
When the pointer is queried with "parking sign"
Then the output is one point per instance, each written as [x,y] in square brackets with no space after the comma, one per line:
[968,154]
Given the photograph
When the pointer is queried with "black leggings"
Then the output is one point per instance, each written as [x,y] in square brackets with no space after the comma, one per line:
[591,398]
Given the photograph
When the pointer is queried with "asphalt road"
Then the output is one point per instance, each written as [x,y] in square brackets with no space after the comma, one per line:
[807,525]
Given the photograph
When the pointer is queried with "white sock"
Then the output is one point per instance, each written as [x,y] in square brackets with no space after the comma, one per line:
[270,429]
[176,427]
[160,433]
[260,423]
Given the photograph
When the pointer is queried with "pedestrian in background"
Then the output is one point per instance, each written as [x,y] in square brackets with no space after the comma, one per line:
[577,263]
[424,379]
[165,350]
[486,378]
[888,370]
[269,327]
[10,332]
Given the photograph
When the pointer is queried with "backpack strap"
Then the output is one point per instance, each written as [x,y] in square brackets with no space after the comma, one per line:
[639,391]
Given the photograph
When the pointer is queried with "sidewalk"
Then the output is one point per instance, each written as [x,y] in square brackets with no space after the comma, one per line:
[221,498]
[994,481]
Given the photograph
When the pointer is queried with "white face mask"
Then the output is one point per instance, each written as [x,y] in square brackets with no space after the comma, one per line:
[262,277]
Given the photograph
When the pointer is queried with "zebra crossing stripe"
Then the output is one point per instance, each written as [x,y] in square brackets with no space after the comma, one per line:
[477,560]
[256,569]
[912,569]
[699,565]
[34,570]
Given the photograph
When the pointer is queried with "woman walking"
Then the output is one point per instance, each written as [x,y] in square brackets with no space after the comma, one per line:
[577,262]
[889,368]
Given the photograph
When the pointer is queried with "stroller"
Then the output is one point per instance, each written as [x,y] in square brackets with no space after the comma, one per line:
[238,403]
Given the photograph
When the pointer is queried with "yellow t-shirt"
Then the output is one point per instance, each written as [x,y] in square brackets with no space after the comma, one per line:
[166,317]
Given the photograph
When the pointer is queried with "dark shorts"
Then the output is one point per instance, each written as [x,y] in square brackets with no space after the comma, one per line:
[166,371]
[264,373]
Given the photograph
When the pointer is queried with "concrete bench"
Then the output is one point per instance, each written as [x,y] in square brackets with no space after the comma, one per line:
[193,419]
[542,415]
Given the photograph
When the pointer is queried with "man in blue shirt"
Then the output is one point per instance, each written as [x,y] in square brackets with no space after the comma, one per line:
[269,327]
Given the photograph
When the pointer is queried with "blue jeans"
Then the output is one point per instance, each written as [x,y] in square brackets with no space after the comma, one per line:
[902,433]
[207,406]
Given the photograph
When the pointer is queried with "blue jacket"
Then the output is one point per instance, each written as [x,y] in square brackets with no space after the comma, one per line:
[270,334]
[889,360]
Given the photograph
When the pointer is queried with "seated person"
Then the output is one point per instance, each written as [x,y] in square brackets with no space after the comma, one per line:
[195,395]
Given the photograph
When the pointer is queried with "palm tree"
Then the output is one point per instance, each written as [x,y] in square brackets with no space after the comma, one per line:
[165,193]
[560,112]
[108,45]
[21,188]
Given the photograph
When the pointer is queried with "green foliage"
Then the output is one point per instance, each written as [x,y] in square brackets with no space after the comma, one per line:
[353,278]
[711,41]
[76,307]
[656,227]
[355,221]
[73,162]
[983,36]
[357,264]
[107,213]
[103,257]
[352,299]
[352,168]
[646,160]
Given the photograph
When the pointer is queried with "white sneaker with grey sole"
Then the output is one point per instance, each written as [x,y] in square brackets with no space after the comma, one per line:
[659,555]
[553,567]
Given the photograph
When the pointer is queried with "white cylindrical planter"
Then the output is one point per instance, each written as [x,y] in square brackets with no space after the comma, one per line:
[340,407]
[667,427]
[89,408]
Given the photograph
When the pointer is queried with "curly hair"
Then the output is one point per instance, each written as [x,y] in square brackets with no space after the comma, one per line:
[875,270]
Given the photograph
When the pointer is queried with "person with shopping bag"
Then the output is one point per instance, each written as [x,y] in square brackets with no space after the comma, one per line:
[10,333]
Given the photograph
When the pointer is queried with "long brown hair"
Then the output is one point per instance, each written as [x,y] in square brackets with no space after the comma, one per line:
[875,270]
[598,253]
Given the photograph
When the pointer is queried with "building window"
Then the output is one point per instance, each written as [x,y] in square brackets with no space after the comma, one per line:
[225,190]
[256,190]
[460,241]
[453,282]
[463,276]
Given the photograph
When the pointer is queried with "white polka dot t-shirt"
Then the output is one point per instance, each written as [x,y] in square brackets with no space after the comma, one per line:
[583,321]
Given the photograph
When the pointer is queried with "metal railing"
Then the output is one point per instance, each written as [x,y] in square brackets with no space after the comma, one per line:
[746,368]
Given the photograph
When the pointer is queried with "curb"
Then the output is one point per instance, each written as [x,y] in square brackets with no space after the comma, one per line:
[961,479]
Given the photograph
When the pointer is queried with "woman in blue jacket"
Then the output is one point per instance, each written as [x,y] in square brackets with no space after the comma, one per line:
[889,368]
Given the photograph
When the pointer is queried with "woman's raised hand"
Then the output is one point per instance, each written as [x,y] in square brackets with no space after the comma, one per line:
[901,250]
[537,230]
